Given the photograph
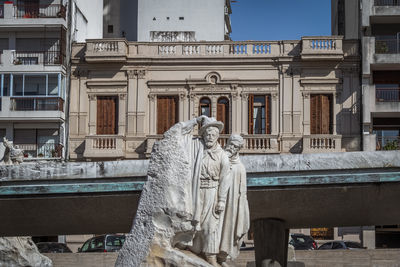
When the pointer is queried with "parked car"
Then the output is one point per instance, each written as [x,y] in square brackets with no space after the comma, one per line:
[341,245]
[52,247]
[103,243]
[302,242]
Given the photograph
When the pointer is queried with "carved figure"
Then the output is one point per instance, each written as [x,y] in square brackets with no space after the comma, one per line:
[210,172]
[236,220]
[188,193]
[9,154]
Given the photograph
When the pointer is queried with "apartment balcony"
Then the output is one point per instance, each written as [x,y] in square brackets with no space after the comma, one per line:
[387,94]
[32,14]
[388,143]
[32,108]
[322,48]
[380,11]
[32,61]
[322,143]
[380,54]
[104,146]
[41,151]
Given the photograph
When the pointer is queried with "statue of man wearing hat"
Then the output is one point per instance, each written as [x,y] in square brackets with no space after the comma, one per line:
[211,173]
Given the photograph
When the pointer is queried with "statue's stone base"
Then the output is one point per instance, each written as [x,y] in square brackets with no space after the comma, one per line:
[21,252]
[160,257]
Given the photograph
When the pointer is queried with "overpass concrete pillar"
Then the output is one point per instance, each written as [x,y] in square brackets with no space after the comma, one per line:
[270,241]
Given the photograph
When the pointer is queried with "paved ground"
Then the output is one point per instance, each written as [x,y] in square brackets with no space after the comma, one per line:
[343,258]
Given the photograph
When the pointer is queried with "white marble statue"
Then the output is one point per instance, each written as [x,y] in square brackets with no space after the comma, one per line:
[189,206]
[211,181]
[236,217]
[9,154]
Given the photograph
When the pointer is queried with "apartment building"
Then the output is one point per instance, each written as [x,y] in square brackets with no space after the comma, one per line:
[35,41]
[167,20]
[283,97]
[376,26]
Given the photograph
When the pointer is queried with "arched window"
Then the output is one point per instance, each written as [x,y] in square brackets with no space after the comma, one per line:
[205,107]
[223,113]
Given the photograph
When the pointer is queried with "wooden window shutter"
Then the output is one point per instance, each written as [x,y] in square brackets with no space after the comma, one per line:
[321,113]
[167,113]
[106,115]
[251,110]
[223,113]
[268,114]
[313,114]
[325,114]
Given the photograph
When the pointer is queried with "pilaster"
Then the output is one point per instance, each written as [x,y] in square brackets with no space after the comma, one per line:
[306,113]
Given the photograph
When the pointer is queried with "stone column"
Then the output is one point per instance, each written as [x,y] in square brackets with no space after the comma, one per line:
[274,114]
[153,114]
[84,105]
[132,103]
[92,114]
[182,107]
[143,104]
[122,115]
[236,111]
[270,241]
[306,113]
[245,113]
[336,110]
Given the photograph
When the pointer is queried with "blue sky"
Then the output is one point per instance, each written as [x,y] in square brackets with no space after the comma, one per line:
[280,19]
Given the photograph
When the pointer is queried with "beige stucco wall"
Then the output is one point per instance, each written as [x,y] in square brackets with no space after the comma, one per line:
[139,72]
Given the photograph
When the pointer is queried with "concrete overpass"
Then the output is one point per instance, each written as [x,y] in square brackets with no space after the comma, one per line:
[308,190]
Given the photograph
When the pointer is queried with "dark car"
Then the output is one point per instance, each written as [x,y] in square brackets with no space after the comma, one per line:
[302,242]
[341,245]
[103,243]
[52,247]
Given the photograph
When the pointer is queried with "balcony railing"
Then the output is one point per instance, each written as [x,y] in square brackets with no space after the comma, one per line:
[40,150]
[37,103]
[38,58]
[388,143]
[389,46]
[322,143]
[39,11]
[387,2]
[387,94]
[259,144]
[104,146]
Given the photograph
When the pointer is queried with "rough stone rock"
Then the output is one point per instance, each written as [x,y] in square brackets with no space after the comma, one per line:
[21,252]
[164,218]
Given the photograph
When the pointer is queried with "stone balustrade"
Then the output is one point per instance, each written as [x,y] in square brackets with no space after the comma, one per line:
[104,146]
[322,47]
[321,143]
[256,144]
[114,50]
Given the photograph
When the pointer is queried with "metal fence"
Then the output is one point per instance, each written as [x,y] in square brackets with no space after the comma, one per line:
[38,58]
[389,46]
[387,143]
[37,103]
[41,150]
[28,11]
[387,94]
[387,2]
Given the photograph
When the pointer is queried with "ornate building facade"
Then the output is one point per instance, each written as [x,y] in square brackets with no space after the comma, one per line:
[282,96]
